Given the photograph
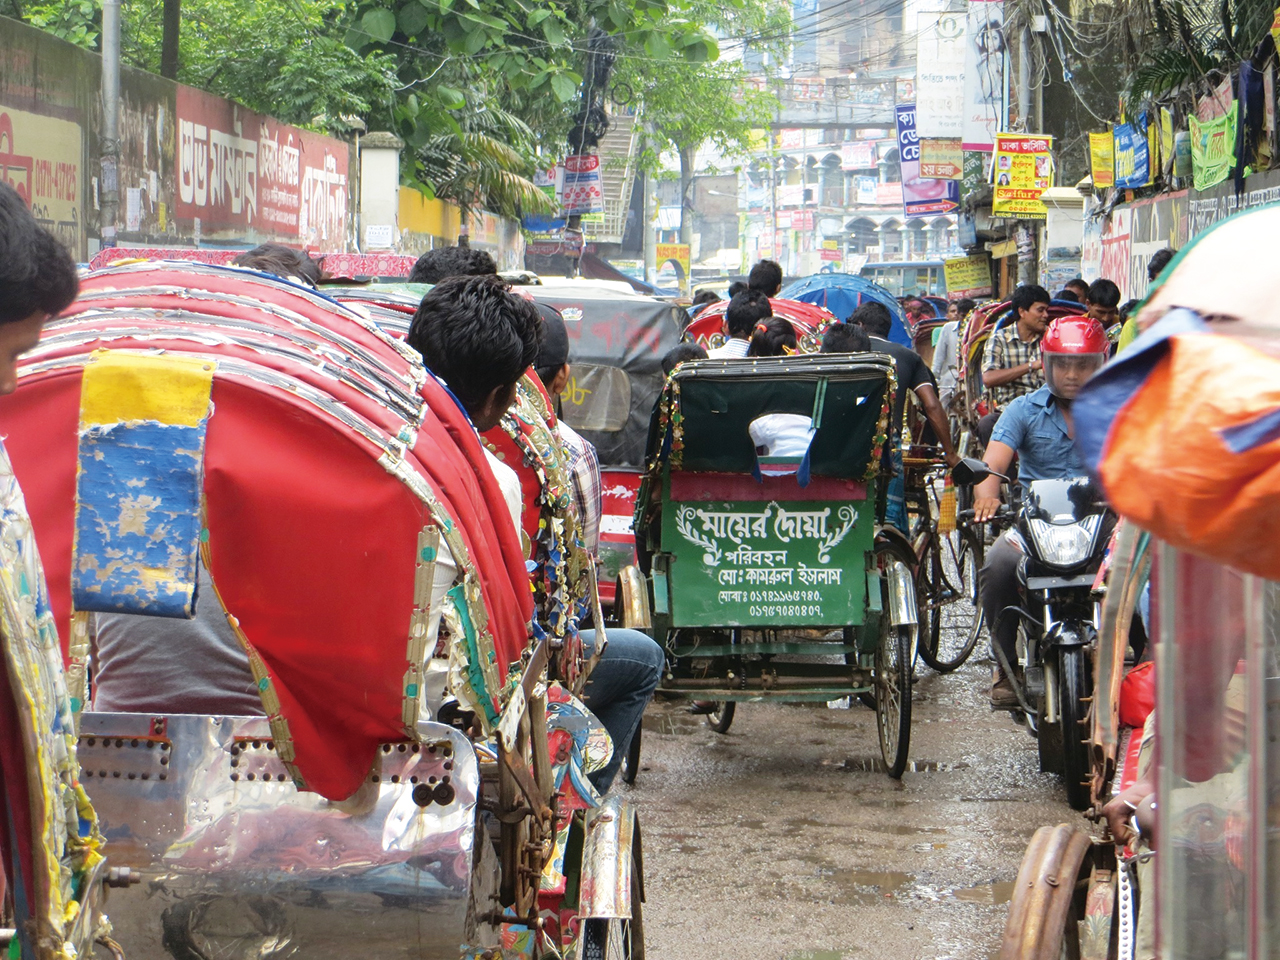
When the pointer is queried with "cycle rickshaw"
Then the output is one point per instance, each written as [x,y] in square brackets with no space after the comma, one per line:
[1181,432]
[769,575]
[403,792]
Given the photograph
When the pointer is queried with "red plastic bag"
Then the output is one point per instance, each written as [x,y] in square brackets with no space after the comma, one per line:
[1138,694]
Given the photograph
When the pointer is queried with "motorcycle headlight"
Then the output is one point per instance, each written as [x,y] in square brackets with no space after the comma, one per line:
[1064,545]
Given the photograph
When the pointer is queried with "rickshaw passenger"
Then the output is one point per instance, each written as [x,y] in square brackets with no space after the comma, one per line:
[142,664]
[766,276]
[552,368]
[774,337]
[740,317]
[478,338]
[689,350]
[1011,365]
[442,262]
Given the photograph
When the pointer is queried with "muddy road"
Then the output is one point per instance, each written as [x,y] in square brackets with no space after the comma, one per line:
[781,840]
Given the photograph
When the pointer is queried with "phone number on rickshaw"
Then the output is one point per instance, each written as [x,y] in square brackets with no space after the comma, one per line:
[785,610]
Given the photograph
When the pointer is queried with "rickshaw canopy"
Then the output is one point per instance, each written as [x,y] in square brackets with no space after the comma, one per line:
[842,293]
[325,468]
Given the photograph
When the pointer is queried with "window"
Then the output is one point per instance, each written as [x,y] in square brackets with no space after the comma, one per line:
[597,398]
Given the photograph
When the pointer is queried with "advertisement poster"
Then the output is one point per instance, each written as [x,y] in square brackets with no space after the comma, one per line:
[968,276]
[1023,170]
[1102,160]
[1132,154]
[867,190]
[975,175]
[858,155]
[1213,148]
[920,197]
[583,191]
[984,70]
[941,159]
[239,170]
[40,159]
[940,53]
[676,252]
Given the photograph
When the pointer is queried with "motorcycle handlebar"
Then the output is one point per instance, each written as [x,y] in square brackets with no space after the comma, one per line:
[1005,514]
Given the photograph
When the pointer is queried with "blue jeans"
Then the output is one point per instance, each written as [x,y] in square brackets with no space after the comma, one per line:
[619,689]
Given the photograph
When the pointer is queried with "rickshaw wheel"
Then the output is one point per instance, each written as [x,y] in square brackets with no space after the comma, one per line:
[618,939]
[721,716]
[947,584]
[1048,897]
[893,697]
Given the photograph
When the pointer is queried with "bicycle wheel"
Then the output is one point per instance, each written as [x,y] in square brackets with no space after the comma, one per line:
[947,591]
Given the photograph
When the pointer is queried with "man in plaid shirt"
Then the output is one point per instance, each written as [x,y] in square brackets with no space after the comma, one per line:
[1012,366]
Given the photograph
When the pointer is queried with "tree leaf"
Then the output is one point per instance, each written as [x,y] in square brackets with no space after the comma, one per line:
[412,19]
[563,87]
[379,24]
[450,97]
[538,16]
[553,32]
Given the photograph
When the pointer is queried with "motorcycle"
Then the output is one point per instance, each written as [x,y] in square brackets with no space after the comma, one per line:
[1062,528]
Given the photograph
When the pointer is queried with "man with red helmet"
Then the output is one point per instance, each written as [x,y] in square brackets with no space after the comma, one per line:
[1037,427]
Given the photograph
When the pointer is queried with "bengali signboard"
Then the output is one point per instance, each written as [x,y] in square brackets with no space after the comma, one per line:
[242,173]
[1132,156]
[968,276]
[583,188]
[752,563]
[921,196]
[1023,170]
[858,155]
[984,69]
[677,252]
[940,56]
[40,158]
[941,159]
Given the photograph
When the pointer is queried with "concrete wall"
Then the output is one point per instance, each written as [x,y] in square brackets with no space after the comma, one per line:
[194,169]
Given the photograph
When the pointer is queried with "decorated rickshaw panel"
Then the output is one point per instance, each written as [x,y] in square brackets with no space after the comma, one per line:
[768,563]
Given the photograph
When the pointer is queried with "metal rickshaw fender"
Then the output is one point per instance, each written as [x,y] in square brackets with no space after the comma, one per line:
[631,605]
[611,861]
[902,588]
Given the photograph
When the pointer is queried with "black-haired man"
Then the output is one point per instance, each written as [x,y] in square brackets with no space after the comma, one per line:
[1102,303]
[1011,366]
[442,262]
[766,276]
[845,338]
[740,319]
[479,338]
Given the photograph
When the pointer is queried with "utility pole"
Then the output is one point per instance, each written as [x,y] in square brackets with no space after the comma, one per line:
[172,17]
[109,146]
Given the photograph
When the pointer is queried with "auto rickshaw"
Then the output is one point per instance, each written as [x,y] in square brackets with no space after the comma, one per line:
[769,574]
[1180,429]
[403,792]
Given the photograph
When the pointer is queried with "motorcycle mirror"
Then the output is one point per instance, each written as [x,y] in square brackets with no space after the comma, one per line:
[971,470]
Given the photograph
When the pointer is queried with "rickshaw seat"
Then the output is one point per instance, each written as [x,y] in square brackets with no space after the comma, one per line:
[718,400]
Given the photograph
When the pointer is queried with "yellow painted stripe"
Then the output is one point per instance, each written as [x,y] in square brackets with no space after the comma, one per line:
[164,388]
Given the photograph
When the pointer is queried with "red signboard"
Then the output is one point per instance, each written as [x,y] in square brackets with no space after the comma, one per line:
[832,255]
[243,174]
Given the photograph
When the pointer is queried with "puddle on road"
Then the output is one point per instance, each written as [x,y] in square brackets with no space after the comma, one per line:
[868,887]
[992,894]
[672,723]
[876,765]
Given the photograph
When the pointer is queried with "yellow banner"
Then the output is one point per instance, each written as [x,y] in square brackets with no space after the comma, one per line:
[677,252]
[968,276]
[1023,170]
[1102,160]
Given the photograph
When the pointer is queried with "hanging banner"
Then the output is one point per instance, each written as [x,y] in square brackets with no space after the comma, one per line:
[1213,148]
[583,190]
[1132,154]
[984,69]
[1023,171]
[975,175]
[941,159]
[968,276]
[940,53]
[867,190]
[1102,160]
[921,197]
[1166,141]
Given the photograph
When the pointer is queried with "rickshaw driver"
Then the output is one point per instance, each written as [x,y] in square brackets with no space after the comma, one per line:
[1037,427]
[478,339]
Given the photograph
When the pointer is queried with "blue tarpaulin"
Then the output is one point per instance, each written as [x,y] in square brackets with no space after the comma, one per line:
[842,293]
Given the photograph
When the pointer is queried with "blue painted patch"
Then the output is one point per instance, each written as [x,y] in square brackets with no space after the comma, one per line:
[138,518]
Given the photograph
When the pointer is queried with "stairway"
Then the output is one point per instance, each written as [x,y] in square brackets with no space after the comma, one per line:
[617,173]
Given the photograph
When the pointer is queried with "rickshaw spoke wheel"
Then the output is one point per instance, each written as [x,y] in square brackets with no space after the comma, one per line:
[947,592]
[893,697]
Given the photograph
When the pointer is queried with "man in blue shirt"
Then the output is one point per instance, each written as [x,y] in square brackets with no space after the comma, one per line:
[1037,428]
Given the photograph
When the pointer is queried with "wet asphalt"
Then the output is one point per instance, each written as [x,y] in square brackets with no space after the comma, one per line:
[782,840]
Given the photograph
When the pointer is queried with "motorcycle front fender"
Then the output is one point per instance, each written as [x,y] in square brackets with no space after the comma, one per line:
[1068,633]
